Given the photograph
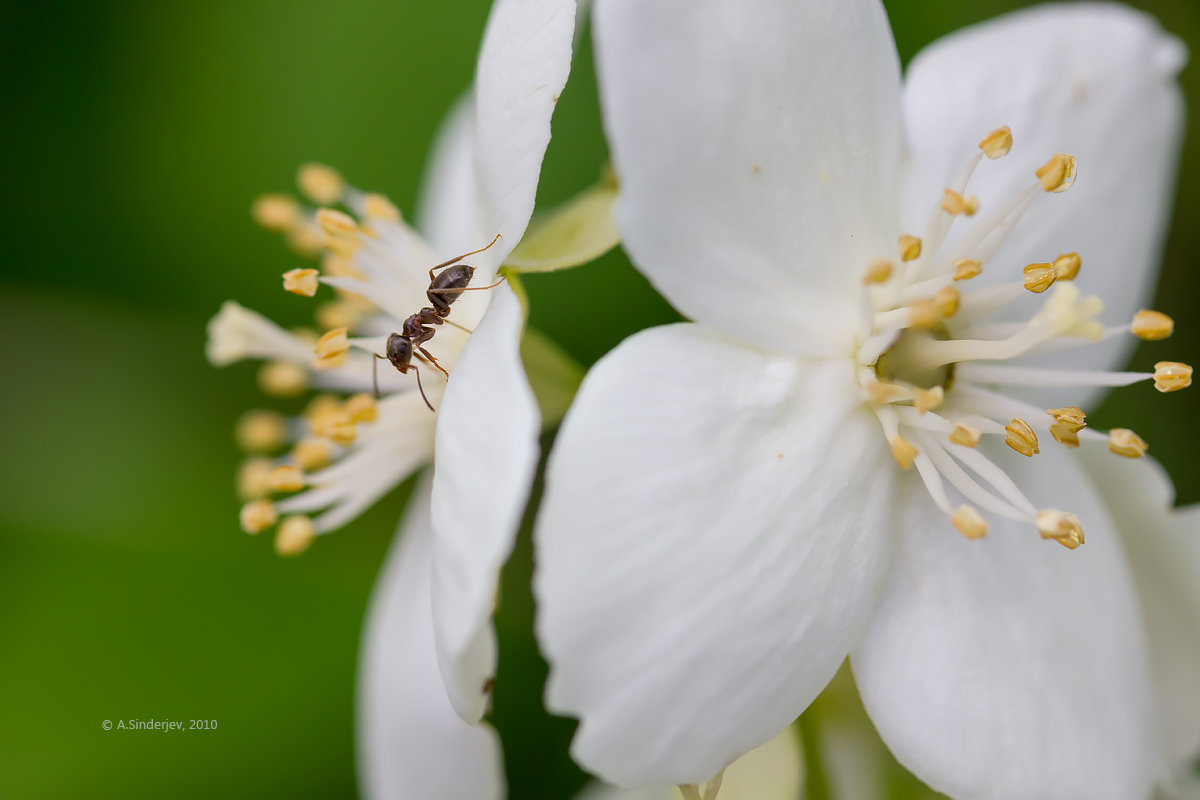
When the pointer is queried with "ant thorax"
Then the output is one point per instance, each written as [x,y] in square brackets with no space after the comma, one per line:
[944,365]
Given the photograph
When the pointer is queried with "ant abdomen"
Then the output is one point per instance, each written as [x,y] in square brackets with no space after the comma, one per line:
[448,286]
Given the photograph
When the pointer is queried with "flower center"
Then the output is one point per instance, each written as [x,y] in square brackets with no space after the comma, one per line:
[932,362]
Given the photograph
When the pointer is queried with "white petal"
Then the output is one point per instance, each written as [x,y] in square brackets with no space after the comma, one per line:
[1011,667]
[712,535]
[486,451]
[773,771]
[450,208]
[410,741]
[1163,546]
[1093,80]
[523,66]
[757,148]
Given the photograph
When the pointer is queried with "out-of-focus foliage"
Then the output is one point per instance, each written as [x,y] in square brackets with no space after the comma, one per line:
[136,134]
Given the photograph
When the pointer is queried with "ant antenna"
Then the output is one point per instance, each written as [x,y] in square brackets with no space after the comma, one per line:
[464,255]
[375,380]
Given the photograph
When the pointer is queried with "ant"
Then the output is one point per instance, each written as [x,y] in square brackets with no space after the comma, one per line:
[443,290]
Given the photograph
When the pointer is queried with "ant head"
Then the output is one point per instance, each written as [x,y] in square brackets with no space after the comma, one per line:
[399,351]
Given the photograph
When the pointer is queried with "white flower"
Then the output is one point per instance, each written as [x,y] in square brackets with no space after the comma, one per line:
[484,433]
[729,512]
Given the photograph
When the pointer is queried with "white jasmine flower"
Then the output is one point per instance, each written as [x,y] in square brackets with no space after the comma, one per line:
[346,454]
[735,505]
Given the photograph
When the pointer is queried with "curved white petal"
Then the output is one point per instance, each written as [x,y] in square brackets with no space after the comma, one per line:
[1093,80]
[1011,667]
[523,66]
[773,771]
[712,534]
[1163,545]
[410,741]
[450,209]
[486,451]
[757,147]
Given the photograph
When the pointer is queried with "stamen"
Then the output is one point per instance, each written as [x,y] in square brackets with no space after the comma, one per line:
[319,183]
[925,400]
[340,428]
[1057,174]
[1151,326]
[947,300]
[1020,508]
[878,272]
[1071,418]
[362,408]
[282,378]
[954,203]
[997,143]
[294,536]
[910,248]
[1171,376]
[969,522]
[1125,442]
[332,345]
[311,454]
[257,516]
[1039,277]
[1064,435]
[376,206]
[924,314]
[965,435]
[301,281]
[306,240]
[287,478]
[1066,266]
[903,451]
[254,478]
[260,431]
[1020,437]
[1064,528]
[881,392]
[276,212]
[966,268]
[336,224]
[322,408]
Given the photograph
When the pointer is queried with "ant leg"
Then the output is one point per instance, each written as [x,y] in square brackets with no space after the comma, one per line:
[457,291]
[460,258]
[375,373]
[456,325]
[422,388]
[429,356]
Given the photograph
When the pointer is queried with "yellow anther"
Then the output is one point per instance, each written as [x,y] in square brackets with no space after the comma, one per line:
[947,299]
[319,183]
[287,478]
[1057,174]
[260,431]
[955,204]
[997,143]
[1171,376]
[333,344]
[924,314]
[294,536]
[1060,526]
[301,281]
[276,212]
[340,428]
[339,314]
[1125,442]
[927,399]
[257,515]
[282,378]
[1151,326]
[966,268]
[1039,277]
[312,454]
[1066,266]
[306,240]
[903,452]
[376,206]
[336,224]
[878,272]
[1071,418]
[1064,435]
[254,478]
[969,522]
[910,248]
[361,408]
[965,435]
[880,392]
[339,266]
[1020,437]
[319,409]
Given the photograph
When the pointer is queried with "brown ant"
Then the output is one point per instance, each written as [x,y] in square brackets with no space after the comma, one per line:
[443,290]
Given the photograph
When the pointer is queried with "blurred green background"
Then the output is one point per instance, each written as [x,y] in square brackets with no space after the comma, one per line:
[135,136]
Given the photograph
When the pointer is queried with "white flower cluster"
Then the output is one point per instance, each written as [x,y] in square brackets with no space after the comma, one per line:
[864,446]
